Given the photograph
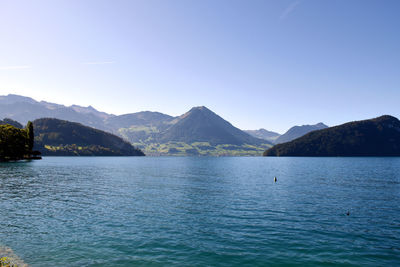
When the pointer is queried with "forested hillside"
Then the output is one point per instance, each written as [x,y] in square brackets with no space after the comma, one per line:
[59,137]
[374,137]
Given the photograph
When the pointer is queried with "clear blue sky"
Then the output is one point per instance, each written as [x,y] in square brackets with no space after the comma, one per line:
[270,64]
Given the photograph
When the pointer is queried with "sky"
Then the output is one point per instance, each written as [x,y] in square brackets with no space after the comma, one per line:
[258,64]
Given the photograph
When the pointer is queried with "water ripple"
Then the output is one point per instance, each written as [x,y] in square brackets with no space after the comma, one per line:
[202,211]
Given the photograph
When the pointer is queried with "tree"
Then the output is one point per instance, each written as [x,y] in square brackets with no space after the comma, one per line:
[30,136]
[12,143]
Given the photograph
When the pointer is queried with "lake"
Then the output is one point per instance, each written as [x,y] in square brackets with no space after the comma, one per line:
[201,211]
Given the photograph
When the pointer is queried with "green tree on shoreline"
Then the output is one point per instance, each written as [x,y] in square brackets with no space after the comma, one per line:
[15,143]
[30,135]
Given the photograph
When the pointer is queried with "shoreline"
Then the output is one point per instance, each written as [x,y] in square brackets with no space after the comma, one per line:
[9,258]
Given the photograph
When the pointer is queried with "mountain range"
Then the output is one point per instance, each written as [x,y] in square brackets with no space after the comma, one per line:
[24,109]
[197,132]
[291,134]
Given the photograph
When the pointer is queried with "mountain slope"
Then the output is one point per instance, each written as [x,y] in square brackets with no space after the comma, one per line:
[90,110]
[264,134]
[140,127]
[59,137]
[374,137]
[144,118]
[298,131]
[202,125]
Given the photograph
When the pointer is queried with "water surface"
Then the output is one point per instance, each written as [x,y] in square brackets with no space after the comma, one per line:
[199,211]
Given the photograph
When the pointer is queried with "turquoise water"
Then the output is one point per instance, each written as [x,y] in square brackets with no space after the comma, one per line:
[84,211]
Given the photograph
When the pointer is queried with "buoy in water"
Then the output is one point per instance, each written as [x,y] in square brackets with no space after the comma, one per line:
[348,213]
[275,179]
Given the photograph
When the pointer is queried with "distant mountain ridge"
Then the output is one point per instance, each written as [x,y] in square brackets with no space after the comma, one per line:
[91,110]
[264,134]
[24,109]
[298,131]
[373,137]
[143,118]
[12,99]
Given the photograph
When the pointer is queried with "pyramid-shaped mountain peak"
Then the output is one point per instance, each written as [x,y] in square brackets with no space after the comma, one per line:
[203,109]
[202,125]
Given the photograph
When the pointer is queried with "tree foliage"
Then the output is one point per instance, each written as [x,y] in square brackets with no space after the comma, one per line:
[16,143]
[30,135]
[13,143]
[11,122]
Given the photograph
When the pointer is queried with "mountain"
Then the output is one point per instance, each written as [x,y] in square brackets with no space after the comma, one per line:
[12,99]
[202,125]
[374,137]
[201,132]
[24,109]
[197,132]
[264,134]
[60,137]
[140,127]
[298,131]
